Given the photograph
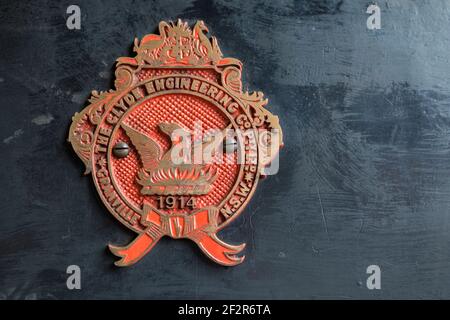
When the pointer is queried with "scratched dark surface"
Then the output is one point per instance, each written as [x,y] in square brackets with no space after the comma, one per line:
[364,176]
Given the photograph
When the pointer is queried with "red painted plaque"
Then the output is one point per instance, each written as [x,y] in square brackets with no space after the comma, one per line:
[177,148]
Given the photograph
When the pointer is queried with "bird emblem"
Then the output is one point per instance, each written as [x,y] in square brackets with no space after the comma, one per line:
[160,174]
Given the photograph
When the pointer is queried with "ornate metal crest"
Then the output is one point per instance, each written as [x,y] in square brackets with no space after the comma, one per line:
[177,148]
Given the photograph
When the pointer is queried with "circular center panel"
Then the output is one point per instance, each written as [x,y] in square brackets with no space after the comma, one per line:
[188,111]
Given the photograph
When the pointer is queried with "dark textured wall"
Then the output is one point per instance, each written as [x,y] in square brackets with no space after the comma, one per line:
[364,177]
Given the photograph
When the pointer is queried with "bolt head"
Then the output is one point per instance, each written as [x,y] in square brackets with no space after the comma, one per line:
[121,149]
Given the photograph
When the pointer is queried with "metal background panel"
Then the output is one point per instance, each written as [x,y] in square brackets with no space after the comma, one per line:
[364,175]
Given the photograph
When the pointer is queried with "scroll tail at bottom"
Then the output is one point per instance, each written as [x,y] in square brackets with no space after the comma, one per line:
[133,252]
[219,251]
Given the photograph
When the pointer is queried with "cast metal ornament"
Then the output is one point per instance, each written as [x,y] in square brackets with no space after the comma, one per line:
[125,139]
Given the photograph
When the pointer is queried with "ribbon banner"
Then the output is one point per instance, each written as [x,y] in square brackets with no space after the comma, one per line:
[200,227]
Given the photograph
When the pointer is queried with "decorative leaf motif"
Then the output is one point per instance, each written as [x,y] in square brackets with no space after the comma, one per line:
[177,44]
[81,131]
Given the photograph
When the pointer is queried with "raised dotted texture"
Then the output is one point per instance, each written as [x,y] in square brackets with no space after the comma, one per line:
[183,109]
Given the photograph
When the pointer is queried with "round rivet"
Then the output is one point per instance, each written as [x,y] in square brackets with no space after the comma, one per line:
[121,149]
